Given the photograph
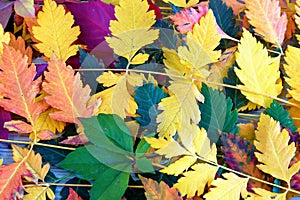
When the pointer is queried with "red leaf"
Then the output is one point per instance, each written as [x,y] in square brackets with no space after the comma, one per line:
[73,195]
[11,180]
[76,140]
[18,87]
[159,191]
[18,126]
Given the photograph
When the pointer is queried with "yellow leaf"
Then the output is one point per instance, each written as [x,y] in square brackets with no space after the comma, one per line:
[182,3]
[200,46]
[131,31]
[1,161]
[295,113]
[45,122]
[297,14]
[292,70]
[262,194]
[55,31]
[246,131]
[179,166]
[139,59]
[249,106]
[173,63]
[33,161]
[117,99]
[114,2]
[4,38]
[227,189]
[266,17]
[173,149]
[38,193]
[275,152]
[257,71]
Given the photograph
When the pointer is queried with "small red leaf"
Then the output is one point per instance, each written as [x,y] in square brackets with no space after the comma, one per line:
[73,195]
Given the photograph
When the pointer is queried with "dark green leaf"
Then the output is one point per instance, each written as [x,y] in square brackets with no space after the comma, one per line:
[110,184]
[144,165]
[224,17]
[238,99]
[142,147]
[277,112]
[216,114]
[147,97]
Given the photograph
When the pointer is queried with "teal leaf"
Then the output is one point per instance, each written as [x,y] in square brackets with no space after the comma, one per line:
[277,112]
[142,147]
[224,17]
[216,114]
[238,99]
[144,165]
[147,97]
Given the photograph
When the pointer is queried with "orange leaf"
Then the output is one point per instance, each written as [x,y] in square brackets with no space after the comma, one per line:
[266,17]
[11,180]
[18,126]
[236,5]
[76,140]
[18,87]
[73,195]
[19,44]
[66,93]
[161,191]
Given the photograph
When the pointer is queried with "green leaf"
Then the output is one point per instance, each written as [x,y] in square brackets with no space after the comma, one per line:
[224,17]
[144,165]
[142,147]
[79,161]
[215,116]
[111,184]
[277,112]
[112,141]
[238,99]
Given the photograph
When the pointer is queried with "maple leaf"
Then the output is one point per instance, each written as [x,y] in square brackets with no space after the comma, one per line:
[275,153]
[18,86]
[55,32]
[292,71]
[19,44]
[38,193]
[4,38]
[131,32]
[266,17]
[159,191]
[117,98]
[11,180]
[33,161]
[73,195]
[182,3]
[230,188]
[253,59]
[63,90]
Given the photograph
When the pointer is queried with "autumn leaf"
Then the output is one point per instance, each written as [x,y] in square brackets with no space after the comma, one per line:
[253,60]
[236,5]
[262,194]
[33,161]
[73,195]
[63,90]
[18,87]
[266,17]
[4,38]
[55,32]
[19,44]
[131,32]
[117,98]
[275,153]
[292,71]
[182,3]
[230,188]
[39,193]
[24,8]
[159,191]
[11,180]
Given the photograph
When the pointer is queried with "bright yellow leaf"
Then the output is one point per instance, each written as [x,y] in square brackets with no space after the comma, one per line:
[228,189]
[182,3]
[33,161]
[275,153]
[257,71]
[38,193]
[266,17]
[292,70]
[179,166]
[4,38]
[132,29]
[55,31]
[200,46]
[139,59]
[262,194]
[117,99]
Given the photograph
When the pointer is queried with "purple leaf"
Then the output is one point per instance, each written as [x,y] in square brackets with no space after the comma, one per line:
[5,12]
[4,117]
[93,18]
